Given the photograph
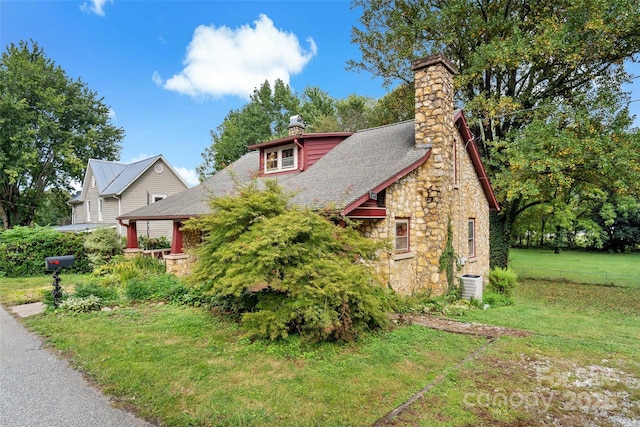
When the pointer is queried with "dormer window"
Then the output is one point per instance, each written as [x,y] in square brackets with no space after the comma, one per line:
[279,159]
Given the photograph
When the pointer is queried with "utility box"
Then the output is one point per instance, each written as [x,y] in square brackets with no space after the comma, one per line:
[472,287]
[56,262]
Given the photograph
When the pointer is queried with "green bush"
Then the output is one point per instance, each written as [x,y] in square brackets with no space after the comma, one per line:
[106,294]
[496,300]
[81,305]
[119,270]
[148,243]
[446,305]
[138,290]
[285,269]
[164,287]
[102,244]
[23,250]
[502,281]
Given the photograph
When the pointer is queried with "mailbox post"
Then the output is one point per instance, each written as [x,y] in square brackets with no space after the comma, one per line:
[56,263]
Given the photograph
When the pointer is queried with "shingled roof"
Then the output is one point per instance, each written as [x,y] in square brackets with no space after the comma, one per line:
[367,161]
[357,165]
[360,164]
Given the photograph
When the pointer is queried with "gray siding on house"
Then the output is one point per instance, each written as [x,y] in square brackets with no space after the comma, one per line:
[139,193]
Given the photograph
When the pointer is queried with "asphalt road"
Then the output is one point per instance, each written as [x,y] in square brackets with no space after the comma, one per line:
[39,389]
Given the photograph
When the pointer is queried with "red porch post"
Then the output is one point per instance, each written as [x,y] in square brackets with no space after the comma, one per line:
[132,235]
[176,240]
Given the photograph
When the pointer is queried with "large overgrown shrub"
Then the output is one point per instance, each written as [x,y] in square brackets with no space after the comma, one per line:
[287,269]
[23,250]
[102,244]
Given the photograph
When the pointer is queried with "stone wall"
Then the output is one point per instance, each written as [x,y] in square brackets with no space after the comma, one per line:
[470,201]
[178,264]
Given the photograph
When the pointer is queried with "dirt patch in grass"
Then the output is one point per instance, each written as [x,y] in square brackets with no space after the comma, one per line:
[458,327]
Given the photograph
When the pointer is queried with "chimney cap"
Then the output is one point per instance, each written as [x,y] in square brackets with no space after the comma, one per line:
[296,121]
[438,58]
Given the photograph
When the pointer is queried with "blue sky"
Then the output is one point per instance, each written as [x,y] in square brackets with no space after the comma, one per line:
[171,70]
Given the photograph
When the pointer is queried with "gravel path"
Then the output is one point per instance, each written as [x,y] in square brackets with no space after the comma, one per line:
[38,389]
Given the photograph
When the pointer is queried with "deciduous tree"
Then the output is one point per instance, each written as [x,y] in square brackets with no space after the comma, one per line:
[266,116]
[513,57]
[50,125]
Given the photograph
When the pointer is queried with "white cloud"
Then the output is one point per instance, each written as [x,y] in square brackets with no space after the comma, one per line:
[189,175]
[112,114]
[156,78]
[96,6]
[223,61]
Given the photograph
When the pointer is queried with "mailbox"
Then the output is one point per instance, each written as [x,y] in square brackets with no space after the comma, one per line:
[56,262]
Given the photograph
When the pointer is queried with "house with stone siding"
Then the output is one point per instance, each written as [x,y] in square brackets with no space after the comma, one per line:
[418,184]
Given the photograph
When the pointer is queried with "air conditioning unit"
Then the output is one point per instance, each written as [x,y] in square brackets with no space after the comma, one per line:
[472,287]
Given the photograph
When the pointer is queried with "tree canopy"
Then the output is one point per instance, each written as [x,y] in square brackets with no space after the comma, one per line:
[266,116]
[50,126]
[527,71]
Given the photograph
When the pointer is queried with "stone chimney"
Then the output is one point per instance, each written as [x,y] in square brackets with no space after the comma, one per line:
[434,101]
[296,125]
[435,129]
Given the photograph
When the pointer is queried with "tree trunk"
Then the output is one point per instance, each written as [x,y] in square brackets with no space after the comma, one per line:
[6,224]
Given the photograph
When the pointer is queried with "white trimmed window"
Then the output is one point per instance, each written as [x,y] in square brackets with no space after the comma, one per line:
[100,208]
[471,238]
[88,211]
[280,158]
[402,235]
[157,197]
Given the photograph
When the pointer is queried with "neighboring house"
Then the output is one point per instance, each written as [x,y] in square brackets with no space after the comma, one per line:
[409,182]
[111,189]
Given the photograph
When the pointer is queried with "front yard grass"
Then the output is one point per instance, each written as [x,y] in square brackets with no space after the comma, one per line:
[181,366]
[25,290]
[581,367]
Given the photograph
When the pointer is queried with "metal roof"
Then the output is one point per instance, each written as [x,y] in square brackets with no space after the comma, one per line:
[86,227]
[121,176]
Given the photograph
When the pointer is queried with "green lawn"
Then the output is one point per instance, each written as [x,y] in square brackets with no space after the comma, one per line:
[184,367]
[24,290]
[578,266]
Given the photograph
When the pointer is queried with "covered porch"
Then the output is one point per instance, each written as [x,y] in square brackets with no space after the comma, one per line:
[176,260]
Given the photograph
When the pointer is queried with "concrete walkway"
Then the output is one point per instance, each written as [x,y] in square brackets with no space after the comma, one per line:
[39,390]
[27,310]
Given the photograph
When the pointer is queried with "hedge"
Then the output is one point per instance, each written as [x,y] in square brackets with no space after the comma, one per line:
[23,250]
